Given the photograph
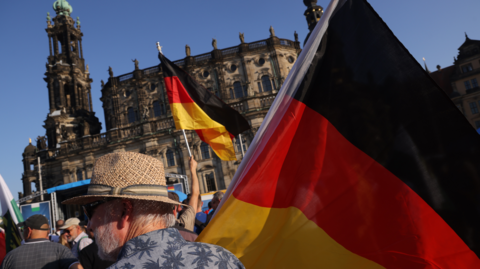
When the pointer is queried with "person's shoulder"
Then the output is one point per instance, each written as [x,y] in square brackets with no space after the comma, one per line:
[201,214]
[90,248]
[220,254]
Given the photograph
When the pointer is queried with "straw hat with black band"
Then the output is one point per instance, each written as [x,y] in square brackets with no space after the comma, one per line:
[126,175]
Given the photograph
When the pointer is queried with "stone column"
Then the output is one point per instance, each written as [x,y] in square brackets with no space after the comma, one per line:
[50,44]
[81,49]
[63,102]
[51,95]
[90,99]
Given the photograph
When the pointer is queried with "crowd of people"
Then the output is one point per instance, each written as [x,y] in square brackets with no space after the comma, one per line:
[132,221]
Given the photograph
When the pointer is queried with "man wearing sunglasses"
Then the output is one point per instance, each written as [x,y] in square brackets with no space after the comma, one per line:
[38,251]
[131,216]
[75,235]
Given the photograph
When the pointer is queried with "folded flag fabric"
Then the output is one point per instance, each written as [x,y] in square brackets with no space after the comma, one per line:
[195,108]
[11,217]
[361,162]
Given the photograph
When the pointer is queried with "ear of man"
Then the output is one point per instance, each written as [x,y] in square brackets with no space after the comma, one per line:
[127,214]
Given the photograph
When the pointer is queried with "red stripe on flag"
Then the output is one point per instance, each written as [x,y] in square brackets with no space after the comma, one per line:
[360,204]
[176,91]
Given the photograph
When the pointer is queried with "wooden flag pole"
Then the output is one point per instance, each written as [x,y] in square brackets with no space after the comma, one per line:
[186,142]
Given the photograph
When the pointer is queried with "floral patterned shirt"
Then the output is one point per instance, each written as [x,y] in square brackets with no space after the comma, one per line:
[166,248]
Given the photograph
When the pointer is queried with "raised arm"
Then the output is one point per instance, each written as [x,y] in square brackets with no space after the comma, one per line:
[195,186]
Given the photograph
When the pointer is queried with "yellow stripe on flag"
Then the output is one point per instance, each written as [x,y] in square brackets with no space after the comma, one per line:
[220,141]
[190,116]
[292,240]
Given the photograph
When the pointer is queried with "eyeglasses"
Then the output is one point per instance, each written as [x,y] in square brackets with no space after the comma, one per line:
[67,231]
[89,209]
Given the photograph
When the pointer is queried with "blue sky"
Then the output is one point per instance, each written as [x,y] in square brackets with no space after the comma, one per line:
[115,32]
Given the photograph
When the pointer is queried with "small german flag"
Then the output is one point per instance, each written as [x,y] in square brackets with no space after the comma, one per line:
[195,108]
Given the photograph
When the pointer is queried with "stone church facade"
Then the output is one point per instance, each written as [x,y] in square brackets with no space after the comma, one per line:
[137,114]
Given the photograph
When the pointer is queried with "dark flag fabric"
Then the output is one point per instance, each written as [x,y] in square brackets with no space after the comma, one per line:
[361,162]
[195,108]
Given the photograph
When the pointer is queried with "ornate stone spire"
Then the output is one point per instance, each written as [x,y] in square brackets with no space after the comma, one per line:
[312,15]
[62,7]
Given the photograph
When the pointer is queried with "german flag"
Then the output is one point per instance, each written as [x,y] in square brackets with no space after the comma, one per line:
[361,162]
[195,108]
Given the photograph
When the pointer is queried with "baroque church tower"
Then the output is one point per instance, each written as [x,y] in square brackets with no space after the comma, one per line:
[68,80]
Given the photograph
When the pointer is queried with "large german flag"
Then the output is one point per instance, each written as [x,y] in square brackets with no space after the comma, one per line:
[362,162]
[195,108]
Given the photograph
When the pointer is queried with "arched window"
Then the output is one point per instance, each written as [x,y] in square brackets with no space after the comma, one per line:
[157,109]
[205,149]
[232,96]
[131,115]
[267,85]
[33,187]
[238,90]
[79,175]
[170,158]
[210,182]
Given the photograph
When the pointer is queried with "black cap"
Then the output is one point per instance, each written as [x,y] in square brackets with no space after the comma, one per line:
[35,222]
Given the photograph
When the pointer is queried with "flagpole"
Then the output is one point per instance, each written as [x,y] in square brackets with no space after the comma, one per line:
[186,142]
[241,145]
[40,178]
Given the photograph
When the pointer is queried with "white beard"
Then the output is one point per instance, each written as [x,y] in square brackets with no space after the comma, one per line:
[108,246]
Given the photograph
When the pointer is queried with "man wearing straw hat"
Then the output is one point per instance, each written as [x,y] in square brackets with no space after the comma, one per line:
[130,214]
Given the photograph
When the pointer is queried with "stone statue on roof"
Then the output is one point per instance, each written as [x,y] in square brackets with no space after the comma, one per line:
[187,50]
[272,32]
[136,64]
[110,71]
[214,43]
[41,142]
[296,36]
[242,38]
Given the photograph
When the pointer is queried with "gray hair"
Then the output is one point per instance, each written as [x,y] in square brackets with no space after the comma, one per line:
[218,195]
[151,212]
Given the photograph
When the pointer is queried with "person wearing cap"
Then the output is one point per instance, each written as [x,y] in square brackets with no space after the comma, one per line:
[38,251]
[75,235]
[131,216]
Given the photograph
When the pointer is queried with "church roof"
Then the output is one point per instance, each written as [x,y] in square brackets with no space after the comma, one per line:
[469,42]
[30,149]
[62,7]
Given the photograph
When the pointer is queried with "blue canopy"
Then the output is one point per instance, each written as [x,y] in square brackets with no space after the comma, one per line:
[69,186]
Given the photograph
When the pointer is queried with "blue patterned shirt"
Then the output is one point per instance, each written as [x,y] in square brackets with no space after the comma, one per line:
[166,248]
